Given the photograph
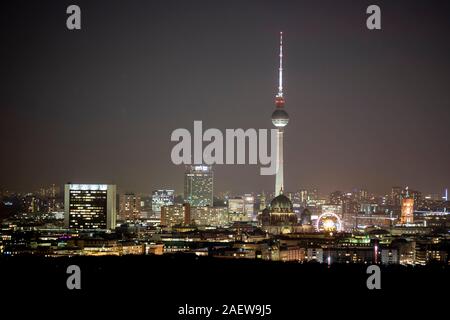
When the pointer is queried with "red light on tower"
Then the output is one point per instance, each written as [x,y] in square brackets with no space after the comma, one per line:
[279,102]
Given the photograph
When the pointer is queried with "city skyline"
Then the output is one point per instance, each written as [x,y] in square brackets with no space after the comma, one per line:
[202,156]
[319,194]
[369,108]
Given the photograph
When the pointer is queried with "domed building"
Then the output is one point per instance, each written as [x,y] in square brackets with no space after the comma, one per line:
[281,203]
[279,217]
[282,211]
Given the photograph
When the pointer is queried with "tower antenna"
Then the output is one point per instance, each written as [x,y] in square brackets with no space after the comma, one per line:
[280,70]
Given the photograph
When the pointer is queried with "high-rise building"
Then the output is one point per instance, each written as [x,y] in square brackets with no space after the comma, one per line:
[176,214]
[162,198]
[396,194]
[249,205]
[90,206]
[129,207]
[280,119]
[336,198]
[199,186]
[363,195]
[303,197]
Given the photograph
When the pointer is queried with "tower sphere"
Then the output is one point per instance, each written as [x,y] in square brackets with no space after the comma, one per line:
[280,118]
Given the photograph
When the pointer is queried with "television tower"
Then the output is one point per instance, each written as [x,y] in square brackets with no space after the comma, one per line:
[280,119]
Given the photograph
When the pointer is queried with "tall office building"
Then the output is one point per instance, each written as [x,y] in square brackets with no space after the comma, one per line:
[199,186]
[162,198]
[280,119]
[129,207]
[90,206]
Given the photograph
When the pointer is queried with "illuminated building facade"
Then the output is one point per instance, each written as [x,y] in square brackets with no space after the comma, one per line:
[199,186]
[236,209]
[162,198]
[90,206]
[332,208]
[389,256]
[308,197]
[280,218]
[176,214]
[396,194]
[296,201]
[242,208]
[407,215]
[262,201]
[368,208]
[209,216]
[129,207]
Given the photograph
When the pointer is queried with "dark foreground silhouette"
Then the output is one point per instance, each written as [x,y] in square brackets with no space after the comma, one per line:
[163,283]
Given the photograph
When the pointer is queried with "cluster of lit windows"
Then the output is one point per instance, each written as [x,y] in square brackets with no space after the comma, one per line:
[87,208]
[198,188]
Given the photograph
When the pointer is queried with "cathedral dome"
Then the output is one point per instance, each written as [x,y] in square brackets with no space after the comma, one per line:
[281,203]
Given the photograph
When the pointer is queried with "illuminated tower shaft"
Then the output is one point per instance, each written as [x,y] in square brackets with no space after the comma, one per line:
[407,214]
[279,179]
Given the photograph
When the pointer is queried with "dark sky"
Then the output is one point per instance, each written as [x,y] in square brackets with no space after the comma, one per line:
[368,108]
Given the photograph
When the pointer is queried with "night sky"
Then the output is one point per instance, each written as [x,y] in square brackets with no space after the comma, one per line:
[368,108]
